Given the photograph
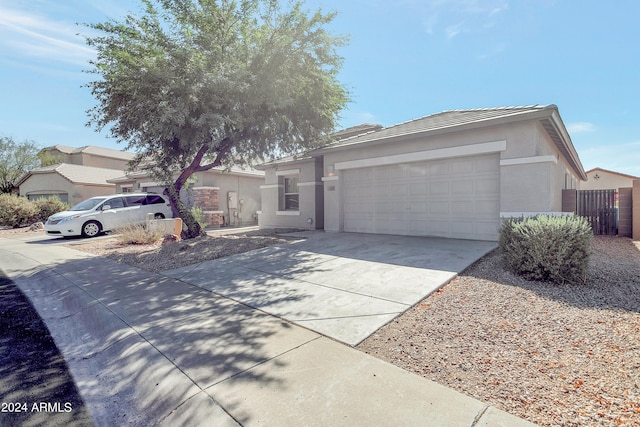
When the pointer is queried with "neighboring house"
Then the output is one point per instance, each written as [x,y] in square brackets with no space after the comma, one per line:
[79,173]
[227,197]
[603,179]
[452,174]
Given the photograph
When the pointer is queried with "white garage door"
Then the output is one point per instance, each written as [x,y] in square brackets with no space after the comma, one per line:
[457,198]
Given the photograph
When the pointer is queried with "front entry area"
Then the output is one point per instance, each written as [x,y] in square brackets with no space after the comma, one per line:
[455,197]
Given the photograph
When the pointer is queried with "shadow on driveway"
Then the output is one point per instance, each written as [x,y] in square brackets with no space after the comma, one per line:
[32,370]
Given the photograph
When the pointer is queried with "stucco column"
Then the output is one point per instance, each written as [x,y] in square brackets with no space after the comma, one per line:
[332,200]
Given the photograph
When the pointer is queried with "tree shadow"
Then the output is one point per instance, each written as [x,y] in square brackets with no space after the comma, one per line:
[142,345]
[32,370]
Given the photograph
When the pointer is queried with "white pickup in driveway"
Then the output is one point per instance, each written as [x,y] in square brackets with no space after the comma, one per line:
[343,285]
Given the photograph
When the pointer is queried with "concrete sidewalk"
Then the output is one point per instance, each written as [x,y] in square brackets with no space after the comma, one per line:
[146,349]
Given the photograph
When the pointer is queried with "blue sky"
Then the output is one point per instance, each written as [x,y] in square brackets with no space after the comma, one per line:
[406,59]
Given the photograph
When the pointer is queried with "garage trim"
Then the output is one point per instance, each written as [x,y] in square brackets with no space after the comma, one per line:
[440,153]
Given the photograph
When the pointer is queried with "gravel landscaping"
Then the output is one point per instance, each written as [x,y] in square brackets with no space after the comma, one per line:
[563,355]
[158,257]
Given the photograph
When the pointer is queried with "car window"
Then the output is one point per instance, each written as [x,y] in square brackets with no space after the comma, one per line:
[87,204]
[115,203]
[154,200]
[134,200]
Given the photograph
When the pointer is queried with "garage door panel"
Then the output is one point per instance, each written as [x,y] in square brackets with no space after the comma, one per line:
[462,167]
[438,168]
[417,171]
[487,185]
[463,208]
[462,188]
[439,188]
[436,210]
[486,208]
[418,189]
[462,228]
[449,197]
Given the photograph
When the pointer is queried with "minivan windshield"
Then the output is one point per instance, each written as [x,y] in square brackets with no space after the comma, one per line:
[88,204]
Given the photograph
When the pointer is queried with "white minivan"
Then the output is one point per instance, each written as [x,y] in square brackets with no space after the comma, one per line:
[104,213]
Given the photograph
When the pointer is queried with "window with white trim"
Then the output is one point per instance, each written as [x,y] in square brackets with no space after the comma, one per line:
[291,195]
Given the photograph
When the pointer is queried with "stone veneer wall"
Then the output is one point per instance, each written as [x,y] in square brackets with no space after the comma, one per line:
[208,199]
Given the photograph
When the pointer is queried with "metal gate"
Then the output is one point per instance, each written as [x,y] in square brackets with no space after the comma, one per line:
[600,208]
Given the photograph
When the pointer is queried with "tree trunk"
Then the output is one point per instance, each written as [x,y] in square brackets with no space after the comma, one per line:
[180,210]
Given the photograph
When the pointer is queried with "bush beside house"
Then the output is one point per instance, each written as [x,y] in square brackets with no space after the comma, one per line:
[17,211]
[547,248]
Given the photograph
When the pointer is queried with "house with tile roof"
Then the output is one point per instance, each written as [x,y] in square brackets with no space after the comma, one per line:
[452,174]
[78,173]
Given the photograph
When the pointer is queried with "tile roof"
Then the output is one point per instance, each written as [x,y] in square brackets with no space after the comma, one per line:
[443,120]
[95,150]
[234,170]
[455,120]
[79,174]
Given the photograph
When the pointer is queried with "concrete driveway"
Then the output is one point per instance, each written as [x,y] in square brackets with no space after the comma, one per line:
[342,285]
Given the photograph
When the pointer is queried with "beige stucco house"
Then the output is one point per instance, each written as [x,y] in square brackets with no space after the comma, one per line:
[226,196]
[452,174]
[603,179]
[79,173]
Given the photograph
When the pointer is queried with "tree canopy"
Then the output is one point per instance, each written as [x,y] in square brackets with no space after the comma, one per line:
[16,159]
[192,85]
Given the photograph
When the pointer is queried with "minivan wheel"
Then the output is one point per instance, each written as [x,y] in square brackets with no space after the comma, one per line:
[158,216]
[91,229]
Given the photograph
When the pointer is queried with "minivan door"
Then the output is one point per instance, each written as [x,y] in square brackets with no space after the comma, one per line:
[114,213]
[136,208]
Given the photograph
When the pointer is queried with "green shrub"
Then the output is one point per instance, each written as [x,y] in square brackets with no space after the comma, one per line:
[48,207]
[16,211]
[134,234]
[547,248]
[196,211]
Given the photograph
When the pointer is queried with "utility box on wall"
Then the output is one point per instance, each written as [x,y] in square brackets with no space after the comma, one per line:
[232,199]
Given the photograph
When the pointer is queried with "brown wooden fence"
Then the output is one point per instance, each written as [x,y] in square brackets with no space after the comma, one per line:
[600,208]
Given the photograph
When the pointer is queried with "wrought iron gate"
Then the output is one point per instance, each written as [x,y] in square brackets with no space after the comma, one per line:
[600,208]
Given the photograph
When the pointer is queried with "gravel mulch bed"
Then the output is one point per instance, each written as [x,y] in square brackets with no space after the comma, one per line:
[564,355]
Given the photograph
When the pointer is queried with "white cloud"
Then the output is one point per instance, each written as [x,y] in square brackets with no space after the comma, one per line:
[448,16]
[26,35]
[453,30]
[580,127]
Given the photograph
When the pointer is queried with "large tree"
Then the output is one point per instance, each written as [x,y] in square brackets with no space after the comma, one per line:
[191,85]
[16,159]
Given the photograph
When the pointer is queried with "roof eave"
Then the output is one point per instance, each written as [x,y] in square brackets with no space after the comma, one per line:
[563,142]
[516,117]
[278,163]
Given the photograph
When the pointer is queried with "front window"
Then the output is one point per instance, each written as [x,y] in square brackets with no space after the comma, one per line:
[291,194]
